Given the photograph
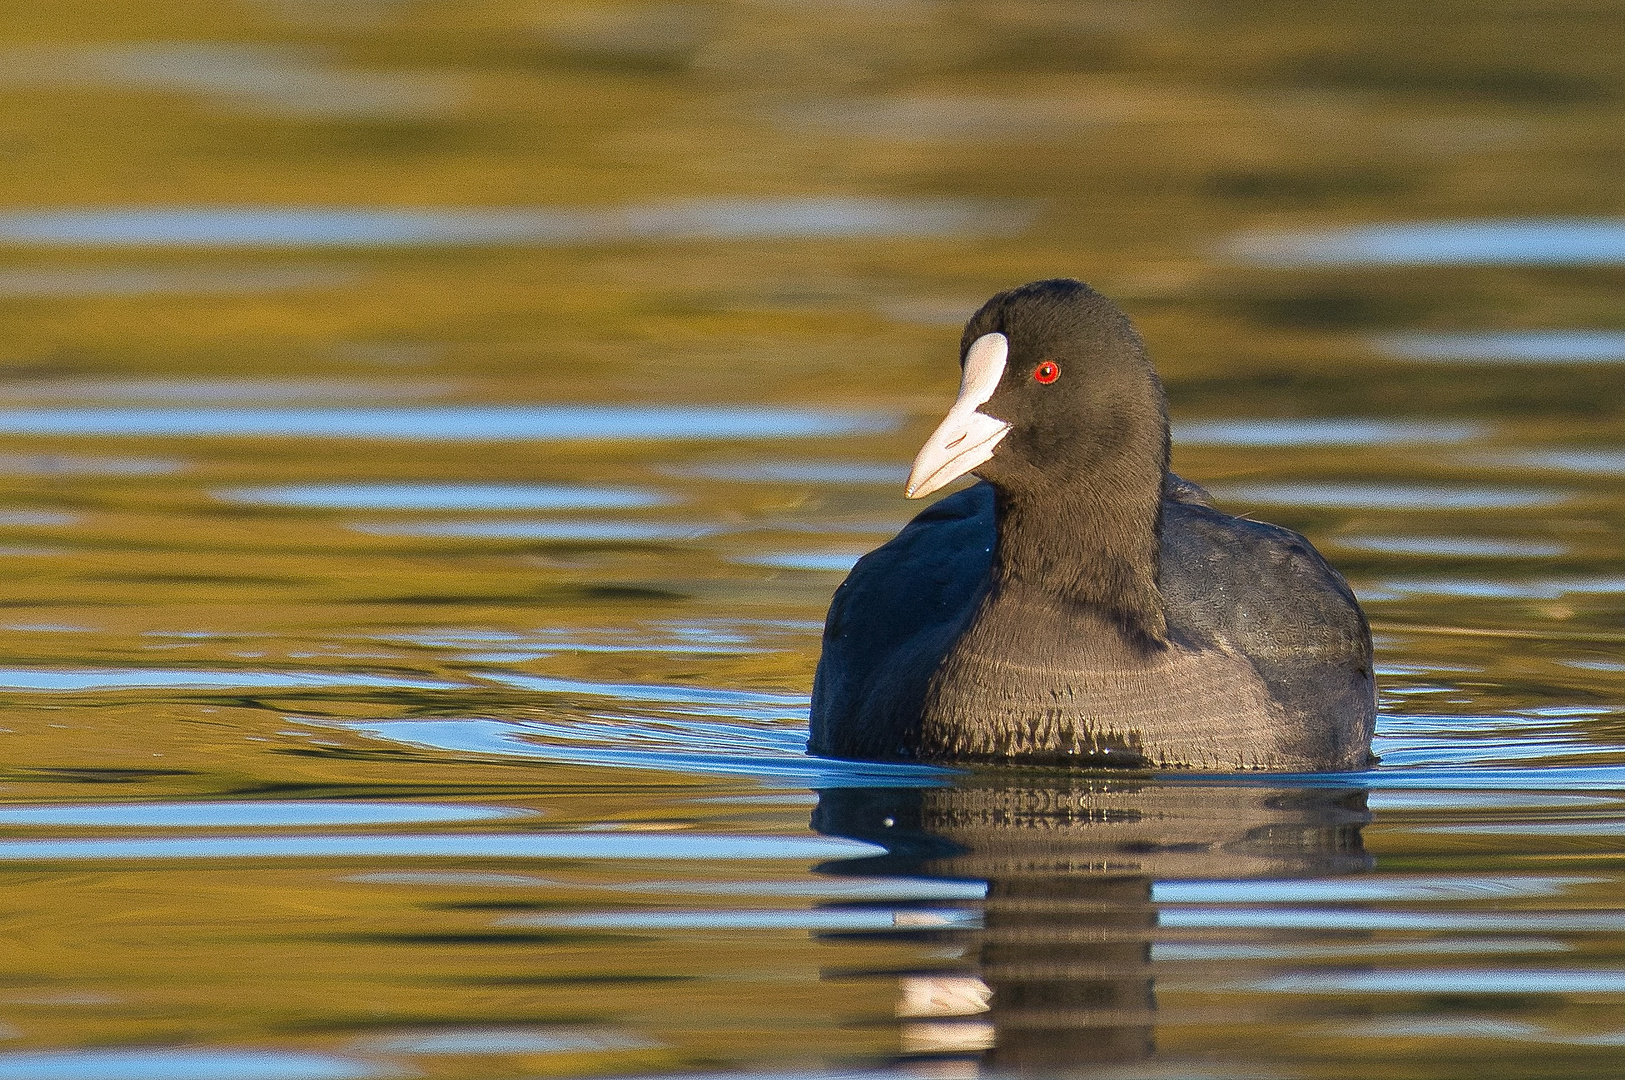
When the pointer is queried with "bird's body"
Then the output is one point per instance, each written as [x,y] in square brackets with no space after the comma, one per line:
[1083,605]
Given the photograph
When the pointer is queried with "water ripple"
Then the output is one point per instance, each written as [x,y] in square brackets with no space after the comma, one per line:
[622,845]
[1597,462]
[506,1040]
[361,227]
[1488,242]
[1514,347]
[163,1063]
[223,815]
[1449,546]
[1324,431]
[1479,588]
[1372,920]
[141,679]
[1362,889]
[796,472]
[455,423]
[736,919]
[1454,1027]
[772,754]
[628,532]
[699,699]
[282,80]
[833,562]
[1446,981]
[1373,496]
[447,496]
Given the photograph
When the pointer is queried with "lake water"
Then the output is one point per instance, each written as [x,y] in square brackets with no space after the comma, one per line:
[430,434]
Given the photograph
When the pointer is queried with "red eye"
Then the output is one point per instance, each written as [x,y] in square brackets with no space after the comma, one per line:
[1047,372]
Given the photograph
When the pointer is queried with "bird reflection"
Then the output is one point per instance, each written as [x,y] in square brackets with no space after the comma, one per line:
[1059,973]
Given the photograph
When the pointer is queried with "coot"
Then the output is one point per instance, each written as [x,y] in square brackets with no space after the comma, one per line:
[1082,605]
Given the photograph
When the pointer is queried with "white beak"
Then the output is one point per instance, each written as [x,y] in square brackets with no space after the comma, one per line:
[965,438]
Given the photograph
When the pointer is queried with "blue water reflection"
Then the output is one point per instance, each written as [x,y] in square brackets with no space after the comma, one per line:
[1482,800]
[506,1040]
[829,562]
[835,888]
[1545,588]
[1379,919]
[1488,242]
[447,496]
[771,753]
[1447,981]
[1163,952]
[1455,768]
[1454,546]
[166,1063]
[1353,495]
[621,845]
[179,678]
[456,423]
[1600,462]
[220,391]
[796,472]
[607,532]
[735,636]
[738,919]
[283,80]
[223,815]
[1517,347]
[1354,890]
[1482,1027]
[1327,431]
[364,227]
[739,704]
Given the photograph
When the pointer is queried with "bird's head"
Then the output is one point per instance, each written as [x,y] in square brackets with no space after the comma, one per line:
[1056,389]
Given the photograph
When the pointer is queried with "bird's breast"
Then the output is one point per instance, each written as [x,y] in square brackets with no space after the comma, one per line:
[1077,691]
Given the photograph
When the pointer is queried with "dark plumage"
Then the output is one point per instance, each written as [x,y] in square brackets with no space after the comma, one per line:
[1083,605]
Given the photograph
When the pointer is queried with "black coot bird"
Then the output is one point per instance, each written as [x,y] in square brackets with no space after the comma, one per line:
[1082,605]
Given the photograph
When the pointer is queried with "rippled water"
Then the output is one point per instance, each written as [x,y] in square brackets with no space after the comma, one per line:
[432,433]
[275,227]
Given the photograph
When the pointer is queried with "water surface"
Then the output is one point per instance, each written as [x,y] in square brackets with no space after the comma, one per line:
[432,434]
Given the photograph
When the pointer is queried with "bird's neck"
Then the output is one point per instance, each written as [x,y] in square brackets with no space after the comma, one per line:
[1093,546]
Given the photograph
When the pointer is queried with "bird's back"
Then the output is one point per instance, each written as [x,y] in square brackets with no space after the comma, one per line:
[1252,596]
[1264,593]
